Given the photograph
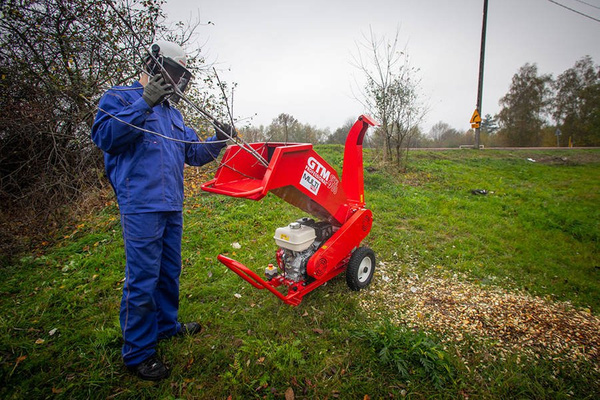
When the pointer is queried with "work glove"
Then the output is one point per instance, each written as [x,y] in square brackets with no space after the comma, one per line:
[228,129]
[156,90]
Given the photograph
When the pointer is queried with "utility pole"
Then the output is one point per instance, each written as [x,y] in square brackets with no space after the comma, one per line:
[481,63]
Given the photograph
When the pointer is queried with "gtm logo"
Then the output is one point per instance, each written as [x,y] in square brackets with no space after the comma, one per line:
[319,168]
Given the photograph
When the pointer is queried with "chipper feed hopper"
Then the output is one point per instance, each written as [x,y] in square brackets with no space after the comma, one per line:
[311,251]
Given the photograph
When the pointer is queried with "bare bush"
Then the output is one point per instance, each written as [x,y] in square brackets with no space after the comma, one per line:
[57,57]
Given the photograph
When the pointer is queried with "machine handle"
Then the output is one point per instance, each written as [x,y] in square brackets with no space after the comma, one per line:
[249,276]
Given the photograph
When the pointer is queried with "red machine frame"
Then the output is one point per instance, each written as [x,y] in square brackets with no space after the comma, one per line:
[298,175]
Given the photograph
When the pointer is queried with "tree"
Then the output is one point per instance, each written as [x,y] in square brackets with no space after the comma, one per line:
[421,140]
[306,133]
[524,106]
[254,134]
[438,130]
[489,125]
[339,135]
[57,57]
[444,135]
[576,105]
[283,128]
[390,93]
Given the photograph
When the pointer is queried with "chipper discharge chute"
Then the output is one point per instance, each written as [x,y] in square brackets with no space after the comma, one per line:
[311,251]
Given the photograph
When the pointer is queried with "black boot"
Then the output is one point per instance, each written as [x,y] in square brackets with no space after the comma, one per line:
[151,369]
[191,328]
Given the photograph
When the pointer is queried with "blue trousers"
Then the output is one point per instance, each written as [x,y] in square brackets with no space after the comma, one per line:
[151,290]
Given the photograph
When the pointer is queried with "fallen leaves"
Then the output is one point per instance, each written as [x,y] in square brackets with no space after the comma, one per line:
[289,394]
[511,321]
[189,364]
[194,177]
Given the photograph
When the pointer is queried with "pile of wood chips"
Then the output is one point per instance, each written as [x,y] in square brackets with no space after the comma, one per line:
[510,321]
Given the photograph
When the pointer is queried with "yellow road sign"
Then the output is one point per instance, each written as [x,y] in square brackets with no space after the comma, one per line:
[476,118]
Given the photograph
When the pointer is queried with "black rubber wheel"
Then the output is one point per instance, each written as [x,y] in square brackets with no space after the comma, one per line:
[360,268]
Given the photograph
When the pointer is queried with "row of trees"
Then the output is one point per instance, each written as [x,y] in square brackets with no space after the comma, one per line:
[536,108]
[535,101]
[287,129]
[444,135]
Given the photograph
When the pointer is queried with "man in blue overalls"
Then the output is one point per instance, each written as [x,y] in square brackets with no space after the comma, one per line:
[146,173]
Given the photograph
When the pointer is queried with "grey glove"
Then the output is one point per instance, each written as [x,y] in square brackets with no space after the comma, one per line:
[156,90]
[229,130]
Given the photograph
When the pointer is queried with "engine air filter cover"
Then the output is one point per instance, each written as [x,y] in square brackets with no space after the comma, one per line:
[295,238]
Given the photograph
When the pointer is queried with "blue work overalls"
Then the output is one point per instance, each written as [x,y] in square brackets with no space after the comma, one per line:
[146,173]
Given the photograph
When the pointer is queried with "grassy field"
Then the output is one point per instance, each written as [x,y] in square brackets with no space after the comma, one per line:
[536,232]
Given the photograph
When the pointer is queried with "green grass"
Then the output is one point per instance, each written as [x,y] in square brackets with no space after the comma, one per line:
[540,226]
[539,231]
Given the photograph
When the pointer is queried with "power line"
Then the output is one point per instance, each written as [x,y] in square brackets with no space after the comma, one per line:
[575,11]
[587,4]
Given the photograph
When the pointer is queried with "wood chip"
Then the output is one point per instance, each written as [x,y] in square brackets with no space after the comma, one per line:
[512,321]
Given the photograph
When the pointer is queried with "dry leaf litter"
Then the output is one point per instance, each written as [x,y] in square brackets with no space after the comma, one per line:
[510,321]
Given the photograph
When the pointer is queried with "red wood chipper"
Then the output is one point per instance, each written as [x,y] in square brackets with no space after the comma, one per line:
[310,252]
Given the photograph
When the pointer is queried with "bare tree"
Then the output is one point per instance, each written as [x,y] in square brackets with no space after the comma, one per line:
[282,128]
[438,130]
[286,128]
[254,134]
[390,93]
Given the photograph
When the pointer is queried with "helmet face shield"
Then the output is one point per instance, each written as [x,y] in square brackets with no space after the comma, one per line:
[175,70]
[170,60]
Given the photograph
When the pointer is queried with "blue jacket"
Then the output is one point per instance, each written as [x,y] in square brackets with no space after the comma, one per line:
[145,170]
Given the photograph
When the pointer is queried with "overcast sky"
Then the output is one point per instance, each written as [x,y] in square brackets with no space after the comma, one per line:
[295,57]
